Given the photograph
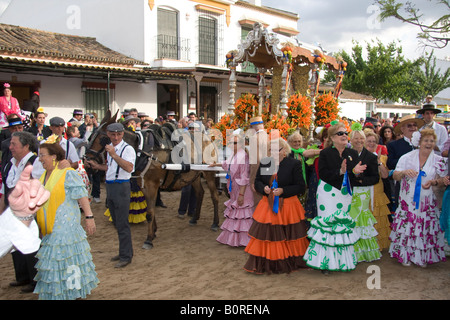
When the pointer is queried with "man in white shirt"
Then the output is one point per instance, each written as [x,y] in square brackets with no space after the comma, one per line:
[429,111]
[120,164]
[22,147]
[18,229]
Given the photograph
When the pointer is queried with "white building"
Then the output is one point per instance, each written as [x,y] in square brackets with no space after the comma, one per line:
[178,48]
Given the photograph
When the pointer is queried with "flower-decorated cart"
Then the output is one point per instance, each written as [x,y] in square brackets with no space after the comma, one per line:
[292,74]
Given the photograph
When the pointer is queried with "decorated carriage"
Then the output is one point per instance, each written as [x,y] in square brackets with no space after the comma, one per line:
[288,96]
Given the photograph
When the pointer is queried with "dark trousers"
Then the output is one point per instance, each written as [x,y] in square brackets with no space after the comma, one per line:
[118,202]
[24,266]
[95,181]
[188,201]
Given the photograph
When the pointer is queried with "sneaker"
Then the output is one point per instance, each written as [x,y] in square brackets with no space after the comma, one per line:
[97,200]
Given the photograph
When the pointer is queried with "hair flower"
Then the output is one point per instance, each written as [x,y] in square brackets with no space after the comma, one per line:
[52,139]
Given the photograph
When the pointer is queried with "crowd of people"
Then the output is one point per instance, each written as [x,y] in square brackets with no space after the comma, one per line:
[379,185]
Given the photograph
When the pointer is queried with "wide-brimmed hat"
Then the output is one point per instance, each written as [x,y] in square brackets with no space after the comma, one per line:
[14,122]
[77,112]
[130,118]
[408,119]
[142,114]
[170,113]
[429,106]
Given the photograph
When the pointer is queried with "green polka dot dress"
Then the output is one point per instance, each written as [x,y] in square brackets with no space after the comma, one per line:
[332,231]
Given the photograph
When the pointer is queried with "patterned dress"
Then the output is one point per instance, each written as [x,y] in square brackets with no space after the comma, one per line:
[416,233]
[332,235]
[65,267]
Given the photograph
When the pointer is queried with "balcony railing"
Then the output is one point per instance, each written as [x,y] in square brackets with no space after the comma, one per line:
[171,47]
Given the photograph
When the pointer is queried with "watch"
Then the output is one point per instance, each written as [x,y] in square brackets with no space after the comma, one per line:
[27,218]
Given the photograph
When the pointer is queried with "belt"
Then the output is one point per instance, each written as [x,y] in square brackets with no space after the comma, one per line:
[117,181]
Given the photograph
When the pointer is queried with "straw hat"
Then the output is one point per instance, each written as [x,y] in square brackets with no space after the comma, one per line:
[256,120]
[408,119]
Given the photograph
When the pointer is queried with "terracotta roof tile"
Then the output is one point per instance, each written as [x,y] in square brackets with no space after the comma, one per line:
[21,41]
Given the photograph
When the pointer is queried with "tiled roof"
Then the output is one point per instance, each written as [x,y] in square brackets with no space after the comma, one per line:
[27,42]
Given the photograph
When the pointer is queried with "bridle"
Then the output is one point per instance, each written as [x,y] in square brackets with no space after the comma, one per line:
[98,156]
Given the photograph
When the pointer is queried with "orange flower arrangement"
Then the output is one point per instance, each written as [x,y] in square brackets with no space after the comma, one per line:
[225,123]
[299,111]
[280,123]
[244,107]
[326,109]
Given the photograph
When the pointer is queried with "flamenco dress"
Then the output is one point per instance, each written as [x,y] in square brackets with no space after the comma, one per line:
[381,212]
[238,219]
[332,235]
[366,248]
[416,232]
[138,204]
[278,234]
[65,270]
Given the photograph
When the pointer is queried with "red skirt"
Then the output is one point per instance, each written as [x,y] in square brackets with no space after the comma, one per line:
[278,242]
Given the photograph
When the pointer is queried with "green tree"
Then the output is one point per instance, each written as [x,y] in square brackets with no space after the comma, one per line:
[384,73]
[427,79]
[434,34]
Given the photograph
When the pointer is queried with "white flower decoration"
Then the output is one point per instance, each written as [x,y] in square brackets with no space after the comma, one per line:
[415,139]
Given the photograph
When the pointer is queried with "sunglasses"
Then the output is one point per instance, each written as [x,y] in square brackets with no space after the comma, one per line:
[341,133]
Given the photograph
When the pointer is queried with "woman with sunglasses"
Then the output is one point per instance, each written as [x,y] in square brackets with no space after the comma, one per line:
[331,233]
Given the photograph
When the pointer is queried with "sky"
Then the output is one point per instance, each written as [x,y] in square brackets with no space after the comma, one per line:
[334,24]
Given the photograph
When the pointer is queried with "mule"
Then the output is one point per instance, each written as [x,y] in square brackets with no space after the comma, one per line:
[150,173]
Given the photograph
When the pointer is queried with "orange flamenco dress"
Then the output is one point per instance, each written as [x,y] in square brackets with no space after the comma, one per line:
[278,240]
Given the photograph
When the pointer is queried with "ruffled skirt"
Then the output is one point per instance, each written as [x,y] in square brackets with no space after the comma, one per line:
[381,213]
[332,233]
[416,235]
[138,205]
[366,248]
[277,241]
[238,221]
[65,267]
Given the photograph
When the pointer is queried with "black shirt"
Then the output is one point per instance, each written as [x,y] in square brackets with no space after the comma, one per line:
[289,176]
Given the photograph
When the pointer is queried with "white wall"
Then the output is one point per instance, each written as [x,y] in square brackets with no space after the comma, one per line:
[352,109]
[58,96]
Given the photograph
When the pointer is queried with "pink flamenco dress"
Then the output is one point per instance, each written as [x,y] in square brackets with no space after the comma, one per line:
[238,219]
[8,107]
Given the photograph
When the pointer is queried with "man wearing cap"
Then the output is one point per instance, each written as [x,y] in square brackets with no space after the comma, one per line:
[57,128]
[76,116]
[428,112]
[397,148]
[258,141]
[119,166]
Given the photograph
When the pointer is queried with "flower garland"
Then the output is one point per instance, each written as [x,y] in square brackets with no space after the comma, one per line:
[326,109]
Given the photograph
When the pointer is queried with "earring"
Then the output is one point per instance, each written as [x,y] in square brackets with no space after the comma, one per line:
[54,162]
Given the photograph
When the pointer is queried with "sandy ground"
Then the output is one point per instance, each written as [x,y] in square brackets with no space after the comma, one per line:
[187,263]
